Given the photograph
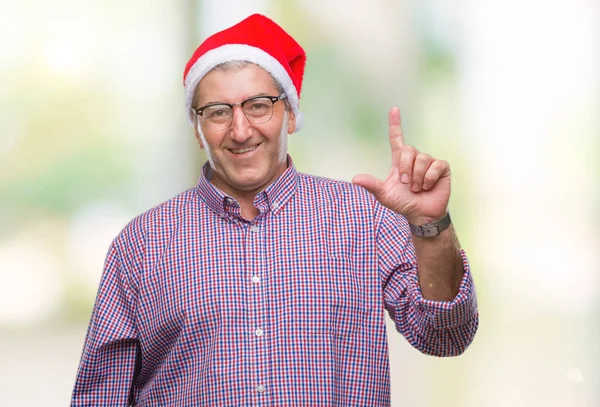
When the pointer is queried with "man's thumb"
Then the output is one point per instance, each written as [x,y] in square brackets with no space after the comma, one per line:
[370,183]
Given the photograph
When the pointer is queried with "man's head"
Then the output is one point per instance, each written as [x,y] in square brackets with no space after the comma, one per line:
[246,145]
[257,64]
[258,40]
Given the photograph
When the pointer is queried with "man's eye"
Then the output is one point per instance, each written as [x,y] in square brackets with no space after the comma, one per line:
[215,113]
[259,106]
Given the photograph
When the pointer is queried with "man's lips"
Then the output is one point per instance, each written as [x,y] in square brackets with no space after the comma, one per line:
[244,150]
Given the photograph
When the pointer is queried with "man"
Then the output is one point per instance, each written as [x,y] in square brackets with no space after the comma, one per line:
[266,286]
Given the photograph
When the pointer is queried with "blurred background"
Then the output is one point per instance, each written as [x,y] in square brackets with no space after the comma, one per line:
[93,132]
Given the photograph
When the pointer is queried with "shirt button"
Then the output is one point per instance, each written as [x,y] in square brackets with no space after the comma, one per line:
[274,205]
[254,229]
[258,332]
[260,388]
[256,279]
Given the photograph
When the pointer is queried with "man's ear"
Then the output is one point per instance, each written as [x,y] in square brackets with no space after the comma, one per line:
[197,134]
[291,123]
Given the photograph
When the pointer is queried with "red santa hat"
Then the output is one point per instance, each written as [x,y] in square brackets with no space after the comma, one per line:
[256,39]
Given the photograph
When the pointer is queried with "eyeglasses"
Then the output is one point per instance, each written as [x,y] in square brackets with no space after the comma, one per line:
[257,109]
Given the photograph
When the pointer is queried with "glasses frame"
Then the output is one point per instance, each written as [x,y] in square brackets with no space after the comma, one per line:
[273,99]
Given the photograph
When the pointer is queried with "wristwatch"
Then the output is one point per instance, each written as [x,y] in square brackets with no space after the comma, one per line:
[431,229]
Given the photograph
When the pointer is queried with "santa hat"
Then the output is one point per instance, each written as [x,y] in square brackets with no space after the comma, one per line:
[256,39]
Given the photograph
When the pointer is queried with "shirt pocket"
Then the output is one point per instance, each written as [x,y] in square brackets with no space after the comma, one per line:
[327,297]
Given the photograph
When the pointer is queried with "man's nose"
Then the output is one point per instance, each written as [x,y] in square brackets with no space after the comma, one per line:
[240,127]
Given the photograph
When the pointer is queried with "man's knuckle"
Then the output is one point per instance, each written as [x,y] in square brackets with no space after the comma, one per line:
[409,149]
[424,158]
[429,178]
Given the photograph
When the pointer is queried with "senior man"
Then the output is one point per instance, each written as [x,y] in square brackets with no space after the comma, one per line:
[266,286]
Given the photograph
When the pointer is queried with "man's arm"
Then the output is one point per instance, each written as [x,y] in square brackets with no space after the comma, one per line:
[442,323]
[106,370]
[428,289]
[440,265]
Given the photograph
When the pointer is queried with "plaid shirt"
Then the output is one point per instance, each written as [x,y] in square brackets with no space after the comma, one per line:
[198,306]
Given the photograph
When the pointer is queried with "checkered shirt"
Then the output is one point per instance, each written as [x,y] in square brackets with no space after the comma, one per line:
[198,306]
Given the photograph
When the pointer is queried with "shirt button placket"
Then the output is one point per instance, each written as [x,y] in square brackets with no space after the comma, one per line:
[254,253]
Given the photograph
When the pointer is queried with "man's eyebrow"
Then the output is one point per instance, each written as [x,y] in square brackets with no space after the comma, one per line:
[219,102]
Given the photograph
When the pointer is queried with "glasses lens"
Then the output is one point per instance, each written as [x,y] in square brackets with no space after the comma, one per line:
[258,110]
[218,117]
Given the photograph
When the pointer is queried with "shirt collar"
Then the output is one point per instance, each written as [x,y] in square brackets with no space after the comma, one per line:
[273,198]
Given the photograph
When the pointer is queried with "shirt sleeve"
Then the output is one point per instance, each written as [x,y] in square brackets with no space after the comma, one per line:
[108,361]
[436,328]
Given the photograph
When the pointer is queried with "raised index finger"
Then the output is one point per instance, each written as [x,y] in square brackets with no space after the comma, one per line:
[396,137]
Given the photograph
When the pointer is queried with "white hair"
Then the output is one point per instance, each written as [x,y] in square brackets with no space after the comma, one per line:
[283,138]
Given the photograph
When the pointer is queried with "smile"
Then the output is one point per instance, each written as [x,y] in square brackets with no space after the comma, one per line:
[243,150]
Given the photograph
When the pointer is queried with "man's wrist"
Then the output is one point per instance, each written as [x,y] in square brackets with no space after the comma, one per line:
[424,220]
[428,227]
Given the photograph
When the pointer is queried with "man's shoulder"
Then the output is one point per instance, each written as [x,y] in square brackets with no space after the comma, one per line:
[162,215]
[334,188]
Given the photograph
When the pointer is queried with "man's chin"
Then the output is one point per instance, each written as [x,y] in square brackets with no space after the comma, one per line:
[249,184]
[248,180]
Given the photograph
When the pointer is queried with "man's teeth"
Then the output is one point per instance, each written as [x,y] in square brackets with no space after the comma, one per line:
[243,150]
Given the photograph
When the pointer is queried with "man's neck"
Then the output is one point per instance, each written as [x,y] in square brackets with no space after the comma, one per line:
[244,198]
[249,212]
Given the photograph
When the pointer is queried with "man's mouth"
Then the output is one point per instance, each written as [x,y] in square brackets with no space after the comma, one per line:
[243,150]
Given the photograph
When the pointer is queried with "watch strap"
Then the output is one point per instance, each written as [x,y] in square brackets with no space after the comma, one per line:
[431,229]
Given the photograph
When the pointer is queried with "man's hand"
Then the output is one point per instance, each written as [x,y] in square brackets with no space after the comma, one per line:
[418,185]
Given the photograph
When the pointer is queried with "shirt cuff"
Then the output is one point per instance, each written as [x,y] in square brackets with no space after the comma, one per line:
[448,314]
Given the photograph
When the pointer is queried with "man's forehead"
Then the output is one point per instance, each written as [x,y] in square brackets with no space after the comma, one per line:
[235,82]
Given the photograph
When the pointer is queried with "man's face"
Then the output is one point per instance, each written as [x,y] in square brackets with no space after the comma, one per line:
[246,157]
